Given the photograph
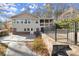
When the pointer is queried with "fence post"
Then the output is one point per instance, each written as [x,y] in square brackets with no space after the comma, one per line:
[55,32]
[75,33]
[67,35]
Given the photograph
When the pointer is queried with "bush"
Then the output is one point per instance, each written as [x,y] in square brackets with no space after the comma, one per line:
[39,46]
[3,48]
[37,33]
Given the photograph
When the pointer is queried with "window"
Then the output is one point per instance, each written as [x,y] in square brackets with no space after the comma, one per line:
[26,21]
[41,24]
[29,22]
[41,21]
[28,29]
[36,21]
[24,29]
[31,29]
[17,22]
[46,21]
[51,20]
[21,21]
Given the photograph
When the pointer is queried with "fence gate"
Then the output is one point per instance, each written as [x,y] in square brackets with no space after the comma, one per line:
[61,35]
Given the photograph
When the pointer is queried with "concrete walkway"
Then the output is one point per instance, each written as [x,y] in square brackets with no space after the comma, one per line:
[18,49]
[16,46]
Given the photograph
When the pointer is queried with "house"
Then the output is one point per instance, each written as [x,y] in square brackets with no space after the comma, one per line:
[70,13]
[26,23]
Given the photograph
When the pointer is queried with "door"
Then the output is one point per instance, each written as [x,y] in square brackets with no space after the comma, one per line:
[14,29]
[42,29]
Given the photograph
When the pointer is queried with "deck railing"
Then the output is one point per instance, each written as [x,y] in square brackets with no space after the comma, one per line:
[4,32]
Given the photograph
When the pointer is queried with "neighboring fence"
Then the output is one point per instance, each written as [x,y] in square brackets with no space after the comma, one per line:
[70,35]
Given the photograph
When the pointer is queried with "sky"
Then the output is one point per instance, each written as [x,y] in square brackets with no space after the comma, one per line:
[10,9]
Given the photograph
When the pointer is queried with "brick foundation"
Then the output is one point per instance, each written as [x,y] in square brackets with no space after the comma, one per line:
[21,33]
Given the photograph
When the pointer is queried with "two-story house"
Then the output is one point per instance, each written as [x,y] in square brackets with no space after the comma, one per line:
[26,23]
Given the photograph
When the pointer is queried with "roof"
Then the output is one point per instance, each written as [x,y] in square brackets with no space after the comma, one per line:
[24,15]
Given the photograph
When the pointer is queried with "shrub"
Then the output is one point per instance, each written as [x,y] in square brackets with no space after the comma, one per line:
[3,48]
[39,46]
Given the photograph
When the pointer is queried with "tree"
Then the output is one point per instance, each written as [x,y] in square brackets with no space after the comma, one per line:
[38,12]
[57,13]
[49,9]
[44,11]
[60,8]
[67,23]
